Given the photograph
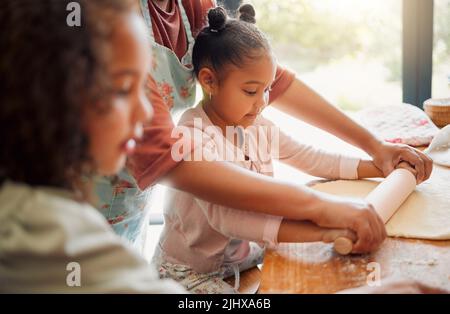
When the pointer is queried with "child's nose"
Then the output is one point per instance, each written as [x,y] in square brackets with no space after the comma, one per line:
[263,102]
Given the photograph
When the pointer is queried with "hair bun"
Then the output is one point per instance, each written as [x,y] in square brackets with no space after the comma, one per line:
[217,17]
[247,13]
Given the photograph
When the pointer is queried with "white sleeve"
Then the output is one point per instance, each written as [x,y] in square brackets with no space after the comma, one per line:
[240,224]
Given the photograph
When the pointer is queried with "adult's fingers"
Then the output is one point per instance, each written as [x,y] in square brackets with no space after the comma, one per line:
[364,233]
[378,230]
[370,230]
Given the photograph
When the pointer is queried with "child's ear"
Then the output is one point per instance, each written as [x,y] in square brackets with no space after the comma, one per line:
[208,80]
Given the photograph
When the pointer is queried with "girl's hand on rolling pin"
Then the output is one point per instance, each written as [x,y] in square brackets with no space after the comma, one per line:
[356,215]
[407,166]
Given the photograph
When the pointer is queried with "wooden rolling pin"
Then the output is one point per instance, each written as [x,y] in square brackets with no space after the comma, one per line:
[386,198]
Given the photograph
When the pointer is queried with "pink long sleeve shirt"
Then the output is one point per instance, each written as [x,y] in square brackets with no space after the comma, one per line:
[205,236]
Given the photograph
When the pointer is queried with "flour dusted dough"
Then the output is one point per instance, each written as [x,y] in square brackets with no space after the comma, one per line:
[424,215]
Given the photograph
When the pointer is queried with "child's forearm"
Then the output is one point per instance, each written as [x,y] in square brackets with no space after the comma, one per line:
[306,231]
[367,169]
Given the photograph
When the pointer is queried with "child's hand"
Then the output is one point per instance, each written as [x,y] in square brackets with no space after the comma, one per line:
[407,166]
[358,216]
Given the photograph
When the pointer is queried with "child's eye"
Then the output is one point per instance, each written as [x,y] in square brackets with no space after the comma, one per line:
[249,92]
[124,88]
[123,92]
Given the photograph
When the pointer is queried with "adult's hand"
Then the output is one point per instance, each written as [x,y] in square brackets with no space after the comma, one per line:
[387,157]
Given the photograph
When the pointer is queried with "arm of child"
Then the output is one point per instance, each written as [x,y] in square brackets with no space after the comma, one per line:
[367,169]
[307,231]
[271,230]
[240,224]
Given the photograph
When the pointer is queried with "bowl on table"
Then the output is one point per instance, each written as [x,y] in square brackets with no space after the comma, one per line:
[438,110]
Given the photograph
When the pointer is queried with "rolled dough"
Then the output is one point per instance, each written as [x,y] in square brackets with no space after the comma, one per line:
[424,215]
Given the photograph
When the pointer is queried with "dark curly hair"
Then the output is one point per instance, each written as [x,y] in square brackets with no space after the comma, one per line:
[49,72]
[226,40]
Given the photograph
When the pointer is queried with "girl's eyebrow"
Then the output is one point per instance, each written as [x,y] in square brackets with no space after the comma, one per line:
[254,82]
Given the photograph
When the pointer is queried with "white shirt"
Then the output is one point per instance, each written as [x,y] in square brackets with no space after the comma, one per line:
[42,230]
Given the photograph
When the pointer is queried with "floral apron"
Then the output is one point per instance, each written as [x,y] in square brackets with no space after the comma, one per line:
[122,203]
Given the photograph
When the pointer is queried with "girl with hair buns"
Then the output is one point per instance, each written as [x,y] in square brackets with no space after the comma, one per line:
[173,26]
[202,243]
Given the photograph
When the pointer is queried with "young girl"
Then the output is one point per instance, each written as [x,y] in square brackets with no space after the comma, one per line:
[202,243]
[173,26]
[72,105]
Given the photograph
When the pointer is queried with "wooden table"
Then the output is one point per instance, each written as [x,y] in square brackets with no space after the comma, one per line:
[316,268]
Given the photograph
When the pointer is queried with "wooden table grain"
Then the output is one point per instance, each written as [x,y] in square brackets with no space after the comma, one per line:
[316,268]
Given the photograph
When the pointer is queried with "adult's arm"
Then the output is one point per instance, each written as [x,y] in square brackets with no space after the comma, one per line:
[301,102]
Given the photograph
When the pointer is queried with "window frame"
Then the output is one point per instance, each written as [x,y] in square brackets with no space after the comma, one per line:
[417,51]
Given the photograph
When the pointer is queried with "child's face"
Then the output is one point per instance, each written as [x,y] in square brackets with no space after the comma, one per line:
[244,92]
[112,133]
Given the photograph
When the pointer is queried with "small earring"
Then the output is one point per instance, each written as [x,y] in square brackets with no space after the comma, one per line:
[210,96]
